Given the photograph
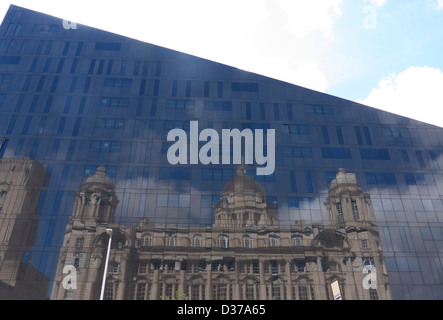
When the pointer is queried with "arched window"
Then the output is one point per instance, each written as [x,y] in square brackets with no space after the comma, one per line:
[339,208]
[273,240]
[172,241]
[197,241]
[147,241]
[297,240]
[355,213]
[247,242]
[223,241]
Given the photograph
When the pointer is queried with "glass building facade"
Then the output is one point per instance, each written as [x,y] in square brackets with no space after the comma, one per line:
[353,209]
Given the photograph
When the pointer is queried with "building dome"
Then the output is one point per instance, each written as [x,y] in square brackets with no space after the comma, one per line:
[243,184]
[99,178]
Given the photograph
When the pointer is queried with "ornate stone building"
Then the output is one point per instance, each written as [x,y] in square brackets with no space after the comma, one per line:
[245,254]
[21,184]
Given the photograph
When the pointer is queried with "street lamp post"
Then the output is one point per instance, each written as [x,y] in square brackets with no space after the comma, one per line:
[108,231]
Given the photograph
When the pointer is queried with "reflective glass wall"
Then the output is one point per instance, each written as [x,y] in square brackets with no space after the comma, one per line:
[353,209]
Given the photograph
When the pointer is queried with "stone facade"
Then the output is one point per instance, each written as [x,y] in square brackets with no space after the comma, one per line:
[21,184]
[245,254]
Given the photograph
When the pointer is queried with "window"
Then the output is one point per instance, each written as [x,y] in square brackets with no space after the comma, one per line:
[173,200]
[336,153]
[223,241]
[380,178]
[244,86]
[146,241]
[197,242]
[105,146]
[297,240]
[300,265]
[218,105]
[114,102]
[294,129]
[339,208]
[118,82]
[79,243]
[9,60]
[217,174]
[247,242]
[180,104]
[273,240]
[396,133]
[172,241]
[175,173]
[419,179]
[374,154]
[111,46]
[109,123]
[355,213]
[318,109]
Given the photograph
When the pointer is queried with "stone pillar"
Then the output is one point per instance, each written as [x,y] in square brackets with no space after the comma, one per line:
[209,281]
[288,281]
[261,268]
[154,288]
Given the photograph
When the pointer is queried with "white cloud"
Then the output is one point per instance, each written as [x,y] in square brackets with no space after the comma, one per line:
[378,3]
[304,17]
[440,4]
[415,93]
[283,39]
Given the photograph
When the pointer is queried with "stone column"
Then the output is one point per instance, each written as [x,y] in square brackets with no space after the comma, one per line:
[288,281]
[261,268]
[154,287]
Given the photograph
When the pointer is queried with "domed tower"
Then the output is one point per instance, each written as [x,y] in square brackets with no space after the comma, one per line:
[96,200]
[83,252]
[347,202]
[244,203]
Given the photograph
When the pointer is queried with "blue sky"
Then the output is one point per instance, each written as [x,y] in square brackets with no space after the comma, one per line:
[383,53]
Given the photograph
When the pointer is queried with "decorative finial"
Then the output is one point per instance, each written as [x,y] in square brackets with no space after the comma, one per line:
[241,170]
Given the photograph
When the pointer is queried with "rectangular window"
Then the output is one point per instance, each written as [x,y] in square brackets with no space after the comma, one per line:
[318,109]
[218,105]
[374,154]
[105,146]
[290,114]
[220,89]
[297,152]
[110,46]
[114,102]
[180,104]
[60,65]
[109,68]
[339,135]
[293,181]
[276,112]
[294,129]
[380,178]
[420,159]
[248,111]
[66,47]
[325,135]
[188,88]
[262,111]
[367,136]
[118,82]
[336,153]
[308,181]
[9,60]
[206,89]
[244,86]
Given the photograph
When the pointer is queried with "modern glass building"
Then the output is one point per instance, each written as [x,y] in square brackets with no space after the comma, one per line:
[132,171]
